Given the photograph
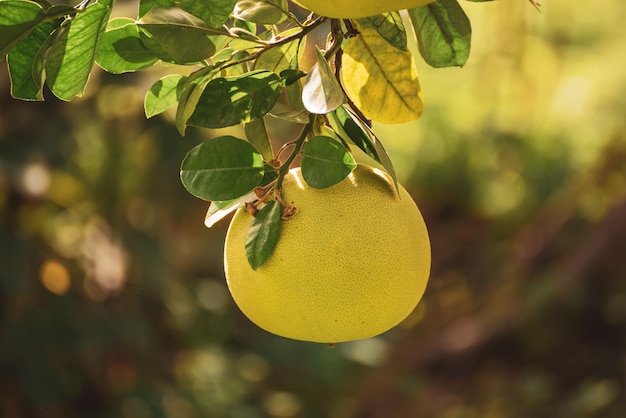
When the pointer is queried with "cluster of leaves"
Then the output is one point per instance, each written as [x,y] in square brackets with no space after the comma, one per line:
[245,55]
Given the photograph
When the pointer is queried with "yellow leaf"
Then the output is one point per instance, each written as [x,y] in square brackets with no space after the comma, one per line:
[380,79]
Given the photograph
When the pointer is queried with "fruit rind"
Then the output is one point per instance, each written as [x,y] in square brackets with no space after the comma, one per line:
[351,264]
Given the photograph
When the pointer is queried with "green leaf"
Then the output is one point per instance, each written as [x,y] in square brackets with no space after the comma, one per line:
[263,234]
[17,19]
[60,10]
[265,12]
[222,168]
[389,26]
[257,136]
[282,58]
[24,70]
[122,49]
[146,5]
[182,36]
[228,101]
[214,12]
[444,33]
[191,93]
[164,94]
[352,129]
[321,92]
[73,52]
[325,162]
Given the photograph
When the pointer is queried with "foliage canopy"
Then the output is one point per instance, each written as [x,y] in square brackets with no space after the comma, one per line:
[241,56]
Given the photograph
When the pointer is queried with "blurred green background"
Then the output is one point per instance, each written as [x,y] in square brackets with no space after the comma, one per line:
[112,295]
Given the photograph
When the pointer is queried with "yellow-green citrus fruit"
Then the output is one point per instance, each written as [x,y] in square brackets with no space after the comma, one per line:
[344,9]
[351,264]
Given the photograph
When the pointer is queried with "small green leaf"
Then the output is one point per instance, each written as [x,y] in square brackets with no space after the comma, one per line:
[191,92]
[257,136]
[25,72]
[122,49]
[164,94]
[282,58]
[265,12]
[325,162]
[214,12]
[17,19]
[444,33]
[263,234]
[389,26]
[73,52]
[228,101]
[321,92]
[222,168]
[181,35]
[352,129]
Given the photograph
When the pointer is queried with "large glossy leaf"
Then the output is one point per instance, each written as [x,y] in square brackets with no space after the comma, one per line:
[263,234]
[122,49]
[164,94]
[325,162]
[24,69]
[227,101]
[380,79]
[214,12]
[222,168]
[73,52]
[321,92]
[444,33]
[17,19]
[183,37]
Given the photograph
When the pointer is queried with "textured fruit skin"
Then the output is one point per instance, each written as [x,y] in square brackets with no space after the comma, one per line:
[344,9]
[353,263]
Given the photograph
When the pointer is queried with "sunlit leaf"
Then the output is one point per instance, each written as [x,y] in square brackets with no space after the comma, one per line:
[17,19]
[325,162]
[214,12]
[389,26]
[122,49]
[24,71]
[73,52]
[191,92]
[164,94]
[219,209]
[444,33]
[380,79]
[321,92]
[263,234]
[227,101]
[283,57]
[266,12]
[222,168]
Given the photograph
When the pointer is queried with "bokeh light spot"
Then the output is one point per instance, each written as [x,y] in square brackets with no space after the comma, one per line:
[55,277]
